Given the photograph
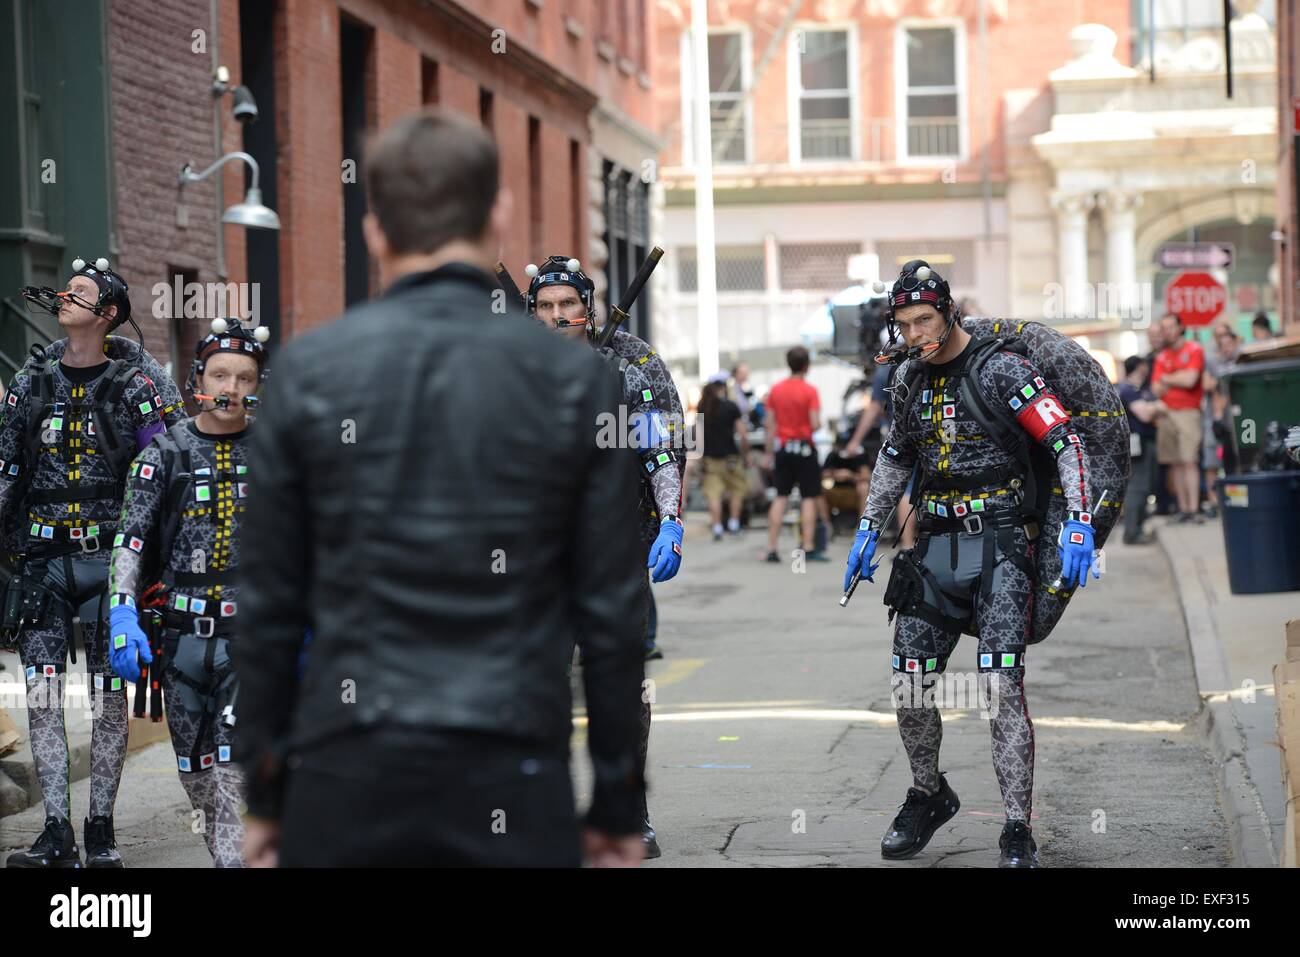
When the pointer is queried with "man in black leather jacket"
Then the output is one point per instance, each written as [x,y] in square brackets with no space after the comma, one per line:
[433,504]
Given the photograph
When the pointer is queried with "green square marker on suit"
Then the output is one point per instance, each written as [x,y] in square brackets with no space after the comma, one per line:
[1027,391]
[1008,661]
[56,423]
[202,493]
[931,664]
[119,641]
[647,394]
[977,505]
[662,458]
[145,408]
[116,685]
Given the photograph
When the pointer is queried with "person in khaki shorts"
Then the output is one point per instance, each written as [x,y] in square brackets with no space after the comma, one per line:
[1176,379]
[725,460]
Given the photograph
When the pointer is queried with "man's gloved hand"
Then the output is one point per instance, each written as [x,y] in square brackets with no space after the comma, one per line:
[666,552]
[1075,543]
[864,547]
[127,643]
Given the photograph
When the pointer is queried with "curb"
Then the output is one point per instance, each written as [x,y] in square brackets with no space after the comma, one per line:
[1249,833]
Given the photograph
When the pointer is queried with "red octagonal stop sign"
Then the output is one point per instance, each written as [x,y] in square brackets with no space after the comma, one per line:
[1196,298]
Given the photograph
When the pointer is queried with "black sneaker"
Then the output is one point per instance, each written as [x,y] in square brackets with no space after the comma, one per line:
[772,557]
[101,843]
[56,847]
[652,653]
[1018,847]
[918,818]
[815,556]
[651,842]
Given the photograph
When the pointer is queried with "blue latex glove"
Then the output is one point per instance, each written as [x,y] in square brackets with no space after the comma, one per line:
[864,547]
[666,552]
[127,643]
[1076,556]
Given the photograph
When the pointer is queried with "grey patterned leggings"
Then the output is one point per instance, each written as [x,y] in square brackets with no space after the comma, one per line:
[198,682]
[922,648]
[44,651]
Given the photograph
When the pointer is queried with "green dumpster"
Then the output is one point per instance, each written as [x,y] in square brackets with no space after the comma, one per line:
[1260,393]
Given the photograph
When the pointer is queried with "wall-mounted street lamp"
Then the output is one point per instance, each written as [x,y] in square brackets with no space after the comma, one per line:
[251,213]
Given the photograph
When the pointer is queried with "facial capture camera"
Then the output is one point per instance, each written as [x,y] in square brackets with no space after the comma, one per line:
[112,292]
[917,284]
[561,271]
[226,337]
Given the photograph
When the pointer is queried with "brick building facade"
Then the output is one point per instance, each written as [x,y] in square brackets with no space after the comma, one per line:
[563,86]
[848,129]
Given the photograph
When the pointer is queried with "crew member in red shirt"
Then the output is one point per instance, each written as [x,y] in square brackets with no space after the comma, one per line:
[793,415]
[1176,379]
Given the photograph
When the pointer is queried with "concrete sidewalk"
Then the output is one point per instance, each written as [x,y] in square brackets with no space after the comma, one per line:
[19,787]
[1235,641]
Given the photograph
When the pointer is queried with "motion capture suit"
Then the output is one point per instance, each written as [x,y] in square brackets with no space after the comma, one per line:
[67,436]
[184,506]
[972,567]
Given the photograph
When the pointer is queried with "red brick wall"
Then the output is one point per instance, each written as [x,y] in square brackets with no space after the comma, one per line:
[310,142]
[232,139]
[162,117]
[161,113]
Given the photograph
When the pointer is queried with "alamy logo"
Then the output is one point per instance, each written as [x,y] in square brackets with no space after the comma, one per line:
[102,910]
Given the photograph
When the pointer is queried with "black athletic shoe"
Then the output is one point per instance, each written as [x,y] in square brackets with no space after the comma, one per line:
[101,843]
[56,847]
[917,820]
[652,653]
[651,842]
[1018,847]
[772,557]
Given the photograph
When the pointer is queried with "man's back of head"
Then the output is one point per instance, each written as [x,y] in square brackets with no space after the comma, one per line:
[433,192]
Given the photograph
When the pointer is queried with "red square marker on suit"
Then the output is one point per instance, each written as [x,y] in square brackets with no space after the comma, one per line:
[1076,538]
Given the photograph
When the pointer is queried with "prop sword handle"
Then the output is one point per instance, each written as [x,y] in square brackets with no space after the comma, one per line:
[508,282]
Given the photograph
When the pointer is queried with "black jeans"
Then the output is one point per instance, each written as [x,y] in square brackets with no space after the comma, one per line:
[1139,487]
[390,798]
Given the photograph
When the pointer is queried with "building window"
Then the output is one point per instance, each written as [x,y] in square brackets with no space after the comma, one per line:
[627,237]
[738,269]
[822,81]
[932,108]
[1178,22]
[429,90]
[728,79]
[816,266]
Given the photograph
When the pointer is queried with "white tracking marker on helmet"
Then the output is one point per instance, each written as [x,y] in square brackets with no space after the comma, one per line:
[573,265]
[220,325]
[262,333]
[923,273]
[530,270]
[101,264]
[878,286]
[78,264]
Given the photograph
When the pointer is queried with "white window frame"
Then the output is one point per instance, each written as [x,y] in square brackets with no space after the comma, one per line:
[794,91]
[901,155]
[688,93]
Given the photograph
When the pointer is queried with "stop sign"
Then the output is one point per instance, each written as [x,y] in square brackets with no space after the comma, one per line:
[1196,298]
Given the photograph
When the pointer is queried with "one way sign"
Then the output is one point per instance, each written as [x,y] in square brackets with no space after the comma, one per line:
[1196,256]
